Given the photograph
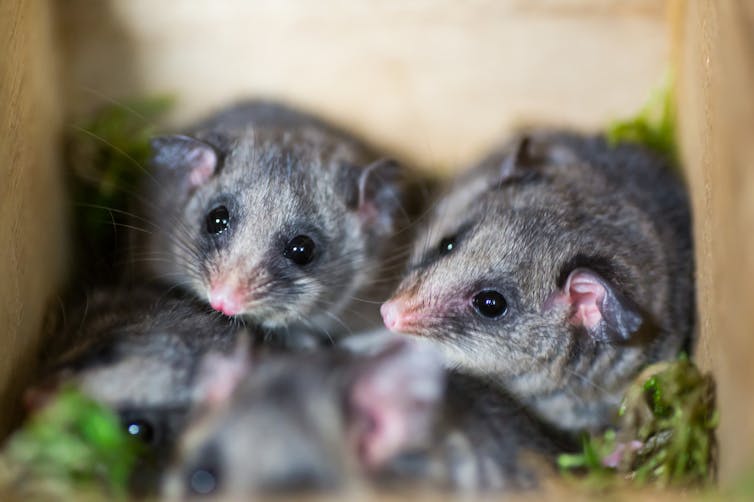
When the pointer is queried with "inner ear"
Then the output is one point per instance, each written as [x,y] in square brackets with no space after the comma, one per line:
[374,192]
[596,305]
[193,160]
[531,152]
[526,155]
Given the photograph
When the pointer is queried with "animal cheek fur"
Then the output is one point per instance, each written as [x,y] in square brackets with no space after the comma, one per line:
[306,292]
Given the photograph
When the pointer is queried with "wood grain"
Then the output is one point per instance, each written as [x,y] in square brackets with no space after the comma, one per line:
[33,251]
[716,68]
[437,81]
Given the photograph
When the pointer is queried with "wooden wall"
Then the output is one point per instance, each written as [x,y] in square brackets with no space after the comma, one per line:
[715,54]
[32,223]
[435,80]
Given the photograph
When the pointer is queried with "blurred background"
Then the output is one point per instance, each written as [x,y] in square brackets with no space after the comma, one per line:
[437,81]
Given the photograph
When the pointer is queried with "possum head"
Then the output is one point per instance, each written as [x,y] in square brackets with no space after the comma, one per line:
[277,226]
[517,285]
[137,351]
[308,423]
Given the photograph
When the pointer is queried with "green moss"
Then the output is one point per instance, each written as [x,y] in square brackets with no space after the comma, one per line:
[665,434]
[72,444]
[655,124]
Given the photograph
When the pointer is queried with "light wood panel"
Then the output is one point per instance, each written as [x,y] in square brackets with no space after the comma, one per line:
[438,81]
[716,61]
[32,225]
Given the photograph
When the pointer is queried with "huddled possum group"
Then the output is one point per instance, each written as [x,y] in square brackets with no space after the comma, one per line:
[249,351]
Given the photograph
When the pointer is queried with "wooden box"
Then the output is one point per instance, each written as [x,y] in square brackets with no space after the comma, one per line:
[438,81]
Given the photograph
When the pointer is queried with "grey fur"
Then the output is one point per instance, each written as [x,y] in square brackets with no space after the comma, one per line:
[578,203]
[138,350]
[288,427]
[281,173]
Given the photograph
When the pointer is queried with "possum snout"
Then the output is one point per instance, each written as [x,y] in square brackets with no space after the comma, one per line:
[400,317]
[227,299]
[232,292]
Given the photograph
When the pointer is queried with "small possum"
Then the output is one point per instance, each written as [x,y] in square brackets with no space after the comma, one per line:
[559,267]
[269,213]
[138,351]
[336,420]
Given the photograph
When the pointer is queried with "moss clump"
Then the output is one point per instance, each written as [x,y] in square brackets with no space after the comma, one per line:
[71,445]
[665,435]
[654,126]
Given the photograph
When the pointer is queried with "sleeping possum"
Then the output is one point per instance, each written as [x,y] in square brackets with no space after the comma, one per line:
[336,420]
[138,351]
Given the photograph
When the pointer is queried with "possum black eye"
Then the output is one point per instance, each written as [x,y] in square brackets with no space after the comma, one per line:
[446,245]
[300,250]
[202,480]
[204,476]
[141,429]
[217,220]
[490,303]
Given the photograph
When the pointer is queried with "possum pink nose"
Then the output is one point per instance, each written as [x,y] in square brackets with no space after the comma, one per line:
[392,315]
[226,299]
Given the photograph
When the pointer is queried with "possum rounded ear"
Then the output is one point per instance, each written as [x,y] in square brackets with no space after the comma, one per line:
[219,374]
[595,305]
[521,157]
[195,160]
[375,193]
[529,153]
[393,402]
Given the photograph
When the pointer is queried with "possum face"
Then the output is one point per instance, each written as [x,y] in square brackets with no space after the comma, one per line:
[154,370]
[273,436]
[136,351]
[312,423]
[512,285]
[274,226]
[149,380]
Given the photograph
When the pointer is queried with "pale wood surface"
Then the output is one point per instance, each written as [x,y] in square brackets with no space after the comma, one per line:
[437,81]
[32,233]
[716,62]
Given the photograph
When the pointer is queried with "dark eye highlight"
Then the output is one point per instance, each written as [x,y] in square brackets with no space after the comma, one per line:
[217,220]
[300,250]
[490,303]
[141,430]
[446,245]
